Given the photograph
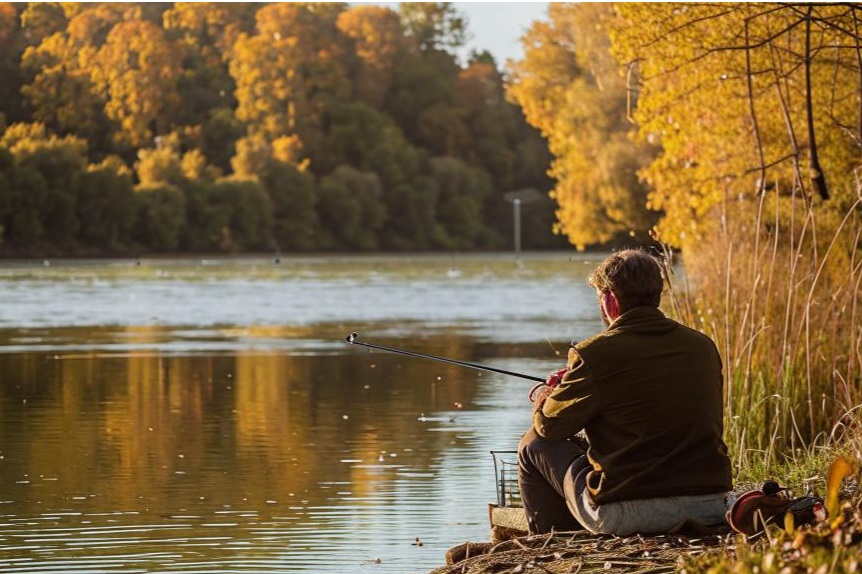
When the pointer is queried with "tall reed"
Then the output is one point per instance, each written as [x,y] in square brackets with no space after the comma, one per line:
[776,283]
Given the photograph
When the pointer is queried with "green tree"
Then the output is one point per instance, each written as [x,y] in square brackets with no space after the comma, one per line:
[105,204]
[12,44]
[247,212]
[291,190]
[48,207]
[412,223]
[351,208]
[364,138]
[160,216]
[423,98]
[463,191]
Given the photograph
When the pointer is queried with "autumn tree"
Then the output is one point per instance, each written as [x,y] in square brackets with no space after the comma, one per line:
[571,88]
[136,72]
[784,76]
[230,127]
[61,91]
[378,39]
[290,74]
[206,32]
[756,108]
[42,19]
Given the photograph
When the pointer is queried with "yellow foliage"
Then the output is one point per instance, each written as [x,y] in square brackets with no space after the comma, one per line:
[573,91]
[840,469]
[290,74]
[136,71]
[732,120]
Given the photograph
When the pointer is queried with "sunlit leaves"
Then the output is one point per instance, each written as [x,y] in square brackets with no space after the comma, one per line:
[290,73]
[723,90]
[61,91]
[136,72]
[574,92]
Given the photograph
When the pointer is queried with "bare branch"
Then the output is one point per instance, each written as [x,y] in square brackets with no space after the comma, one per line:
[817,176]
[859,64]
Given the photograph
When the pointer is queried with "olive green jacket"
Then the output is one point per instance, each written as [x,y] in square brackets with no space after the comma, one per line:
[648,393]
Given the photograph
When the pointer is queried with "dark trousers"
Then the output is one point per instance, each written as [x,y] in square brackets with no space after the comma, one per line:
[542,467]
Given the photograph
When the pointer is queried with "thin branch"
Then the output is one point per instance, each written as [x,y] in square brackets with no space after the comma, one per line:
[817,176]
[827,23]
[711,51]
[859,63]
[761,182]
[685,25]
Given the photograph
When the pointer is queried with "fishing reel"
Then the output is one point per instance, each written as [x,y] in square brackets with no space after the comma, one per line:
[553,381]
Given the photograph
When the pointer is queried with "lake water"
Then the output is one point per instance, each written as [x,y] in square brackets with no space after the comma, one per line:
[207,415]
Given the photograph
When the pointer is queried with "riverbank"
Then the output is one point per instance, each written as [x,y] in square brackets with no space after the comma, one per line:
[819,549]
[834,545]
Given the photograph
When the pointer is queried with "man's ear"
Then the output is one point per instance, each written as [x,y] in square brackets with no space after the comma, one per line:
[611,305]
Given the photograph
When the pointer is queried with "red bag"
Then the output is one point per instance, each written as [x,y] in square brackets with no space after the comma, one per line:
[754,510]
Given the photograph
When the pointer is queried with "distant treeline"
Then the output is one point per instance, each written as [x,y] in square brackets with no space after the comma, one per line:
[232,127]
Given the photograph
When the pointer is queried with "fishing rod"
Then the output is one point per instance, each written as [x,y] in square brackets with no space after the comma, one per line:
[352,339]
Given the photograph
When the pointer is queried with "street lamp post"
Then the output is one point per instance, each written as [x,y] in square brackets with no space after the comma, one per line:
[516,213]
[516,198]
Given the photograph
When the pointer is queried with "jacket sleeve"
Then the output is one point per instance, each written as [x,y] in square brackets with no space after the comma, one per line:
[571,406]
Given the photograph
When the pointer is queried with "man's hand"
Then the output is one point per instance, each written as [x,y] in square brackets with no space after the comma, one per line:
[538,393]
[542,391]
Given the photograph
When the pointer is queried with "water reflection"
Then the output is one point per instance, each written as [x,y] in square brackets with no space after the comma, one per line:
[252,460]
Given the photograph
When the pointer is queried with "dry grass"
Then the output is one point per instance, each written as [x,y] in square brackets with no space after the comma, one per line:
[776,283]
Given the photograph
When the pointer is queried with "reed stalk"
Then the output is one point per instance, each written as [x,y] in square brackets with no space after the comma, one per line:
[783,308]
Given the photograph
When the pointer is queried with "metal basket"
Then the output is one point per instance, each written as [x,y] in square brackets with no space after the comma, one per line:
[506,473]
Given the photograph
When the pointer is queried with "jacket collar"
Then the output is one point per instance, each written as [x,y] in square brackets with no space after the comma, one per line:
[640,319]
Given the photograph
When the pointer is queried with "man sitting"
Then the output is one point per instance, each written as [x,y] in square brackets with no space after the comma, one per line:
[647,392]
